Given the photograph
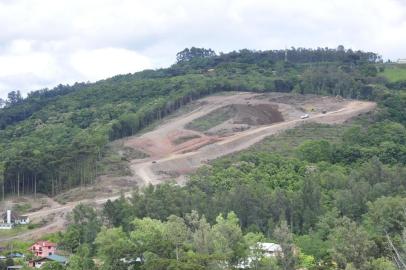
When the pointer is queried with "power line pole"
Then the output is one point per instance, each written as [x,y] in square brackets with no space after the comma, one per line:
[286,54]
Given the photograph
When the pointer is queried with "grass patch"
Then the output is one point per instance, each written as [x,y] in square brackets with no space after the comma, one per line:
[116,159]
[395,73]
[285,143]
[15,231]
[183,139]
[16,246]
[113,164]
[77,194]
[212,119]
[22,207]
[129,153]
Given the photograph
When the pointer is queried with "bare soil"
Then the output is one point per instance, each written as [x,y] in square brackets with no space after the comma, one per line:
[170,150]
[252,118]
[256,115]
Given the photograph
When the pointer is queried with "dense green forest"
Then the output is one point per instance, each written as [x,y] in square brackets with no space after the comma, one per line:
[53,139]
[333,197]
[331,205]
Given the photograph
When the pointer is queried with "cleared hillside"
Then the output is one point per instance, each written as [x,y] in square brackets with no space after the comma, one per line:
[54,140]
[169,160]
[167,154]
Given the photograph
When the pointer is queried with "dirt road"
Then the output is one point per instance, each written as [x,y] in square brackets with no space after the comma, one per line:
[58,215]
[171,160]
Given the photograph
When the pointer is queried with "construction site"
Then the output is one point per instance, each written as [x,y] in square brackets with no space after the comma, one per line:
[179,144]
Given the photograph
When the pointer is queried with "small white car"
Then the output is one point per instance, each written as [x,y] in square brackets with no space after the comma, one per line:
[304,116]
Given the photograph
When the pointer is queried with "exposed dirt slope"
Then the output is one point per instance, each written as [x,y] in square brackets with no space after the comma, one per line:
[254,117]
[173,150]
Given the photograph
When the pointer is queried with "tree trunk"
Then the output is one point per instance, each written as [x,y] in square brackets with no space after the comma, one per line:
[53,188]
[35,186]
[18,184]
[23,184]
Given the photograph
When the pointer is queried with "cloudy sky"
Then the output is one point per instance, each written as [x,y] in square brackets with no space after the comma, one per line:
[47,42]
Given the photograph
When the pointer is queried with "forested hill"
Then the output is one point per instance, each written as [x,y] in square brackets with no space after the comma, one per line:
[51,140]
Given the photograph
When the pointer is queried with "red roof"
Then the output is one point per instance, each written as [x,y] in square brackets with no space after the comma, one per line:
[44,244]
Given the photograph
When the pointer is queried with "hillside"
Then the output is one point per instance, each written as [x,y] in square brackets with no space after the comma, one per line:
[54,139]
[175,149]
[229,128]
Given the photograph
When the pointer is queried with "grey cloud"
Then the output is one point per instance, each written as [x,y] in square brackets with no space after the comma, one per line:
[157,29]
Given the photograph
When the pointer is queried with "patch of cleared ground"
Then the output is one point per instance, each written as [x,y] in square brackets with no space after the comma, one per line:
[236,117]
[115,159]
[183,139]
[224,124]
[174,151]
[26,203]
[395,72]
[212,119]
[106,185]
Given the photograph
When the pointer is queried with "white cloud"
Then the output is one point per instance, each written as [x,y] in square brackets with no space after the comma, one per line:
[46,42]
[107,62]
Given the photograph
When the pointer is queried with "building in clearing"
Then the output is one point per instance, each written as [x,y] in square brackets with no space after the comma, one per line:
[269,249]
[9,219]
[401,61]
[43,249]
[52,258]
[260,251]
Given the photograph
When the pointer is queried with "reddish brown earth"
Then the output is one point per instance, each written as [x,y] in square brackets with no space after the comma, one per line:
[254,117]
[174,151]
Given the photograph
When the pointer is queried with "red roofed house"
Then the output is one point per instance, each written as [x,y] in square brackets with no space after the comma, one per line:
[43,249]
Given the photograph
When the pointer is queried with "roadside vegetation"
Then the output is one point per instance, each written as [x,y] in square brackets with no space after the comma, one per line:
[53,140]
[332,196]
[330,192]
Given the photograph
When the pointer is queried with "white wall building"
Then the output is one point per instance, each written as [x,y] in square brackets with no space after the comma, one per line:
[9,219]
[260,251]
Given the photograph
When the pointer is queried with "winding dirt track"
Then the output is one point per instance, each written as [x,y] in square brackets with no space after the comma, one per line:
[176,163]
[186,157]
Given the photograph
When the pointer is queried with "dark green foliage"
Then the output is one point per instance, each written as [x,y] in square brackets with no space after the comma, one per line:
[53,140]
[171,264]
[333,204]
[52,266]
[334,207]
[387,215]
[350,244]
[315,151]
[285,239]
[395,105]
[117,213]
[81,260]
[85,225]
[341,196]
[9,262]
[190,54]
